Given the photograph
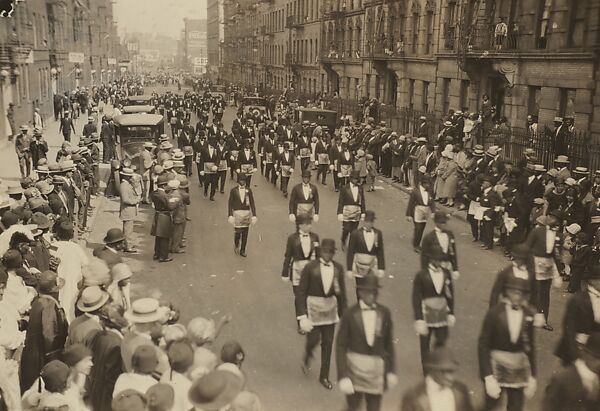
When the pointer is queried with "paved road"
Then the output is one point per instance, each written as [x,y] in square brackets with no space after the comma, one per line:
[210,280]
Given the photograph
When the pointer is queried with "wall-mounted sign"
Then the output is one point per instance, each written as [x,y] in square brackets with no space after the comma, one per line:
[112,62]
[76,58]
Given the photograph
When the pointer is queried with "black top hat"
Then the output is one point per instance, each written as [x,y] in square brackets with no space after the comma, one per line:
[328,244]
[440,217]
[441,359]
[369,282]
[304,219]
[370,215]
[520,251]
[517,283]
[306,173]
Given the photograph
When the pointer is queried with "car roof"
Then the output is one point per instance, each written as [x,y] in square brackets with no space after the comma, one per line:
[319,110]
[142,97]
[138,108]
[139,119]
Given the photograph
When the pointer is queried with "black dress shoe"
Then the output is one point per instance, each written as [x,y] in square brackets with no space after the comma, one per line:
[305,367]
[326,383]
[222,191]
[165,260]
[243,253]
[548,327]
[155,257]
[212,199]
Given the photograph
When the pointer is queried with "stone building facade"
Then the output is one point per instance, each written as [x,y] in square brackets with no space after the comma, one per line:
[529,56]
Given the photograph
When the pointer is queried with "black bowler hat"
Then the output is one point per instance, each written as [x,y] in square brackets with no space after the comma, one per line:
[304,219]
[520,251]
[241,177]
[328,245]
[369,215]
[440,217]
[306,173]
[369,282]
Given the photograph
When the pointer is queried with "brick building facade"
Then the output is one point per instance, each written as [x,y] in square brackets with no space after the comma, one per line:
[529,56]
[34,53]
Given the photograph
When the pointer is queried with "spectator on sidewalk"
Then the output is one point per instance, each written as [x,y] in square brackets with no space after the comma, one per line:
[22,147]
[10,116]
[66,125]
[38,147]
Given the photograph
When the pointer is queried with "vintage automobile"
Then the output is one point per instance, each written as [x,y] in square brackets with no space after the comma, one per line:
[251,104]
[136,129]
[316,115]
[142,100]
[145,109]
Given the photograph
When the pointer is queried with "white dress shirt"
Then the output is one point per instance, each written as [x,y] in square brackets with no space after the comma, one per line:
[440,398]
[211,150]
[442,239]
[305,243]
[437,277]
[326,275]
[424,195]
[242,193]
[369,318]
[520,273]
[306,190]
[369,238]
[354,191]
[515,322]
[550,240]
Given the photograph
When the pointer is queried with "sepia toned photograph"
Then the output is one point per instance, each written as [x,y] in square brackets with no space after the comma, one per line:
[299,205]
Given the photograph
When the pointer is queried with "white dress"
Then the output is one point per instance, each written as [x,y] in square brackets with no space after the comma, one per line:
[72,261]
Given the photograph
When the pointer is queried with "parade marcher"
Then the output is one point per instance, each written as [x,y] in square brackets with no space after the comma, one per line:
[544,242]
[320,302]
[364,349]
[66,125]
[506,348]
[322,160]
[242,213]
[209,164]
[304,199]
[439,390]
[365,254]
[520,267]
[433,301]
[246,162]
[90,127]
[489,205]
[420,207]
[224,153]
[581,318]
[130,200]
[162,226]
[285,166]
[440,239]
[351,206]
[576,387]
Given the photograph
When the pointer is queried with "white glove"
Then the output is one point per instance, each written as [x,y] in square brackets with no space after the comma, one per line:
[362,216]
[539,320]
[285,279]
[557,282]
[455,275]
[451,320]
[380,273]
[253,220]
[291,170]
[350,274]
[340,175]
[316,218]
[202,173]
[292,218]
[237,171]
[297,157]
[421,327]
[409,219]
[589,379]
[331,167]
[231,220]
[259,154]
[316,163]
[306,325]
[530,388]
[492,388]
[391,379]
[346,386]
[340,217]
[254,170]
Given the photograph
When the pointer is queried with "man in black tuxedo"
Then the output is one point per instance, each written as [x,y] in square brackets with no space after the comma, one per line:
[210,160]
[242,214]
[304,199]
[419,208]
[246,162]
[320,301]
[285,166]
[365,341]
[351,206]
[440,239]
[365,250]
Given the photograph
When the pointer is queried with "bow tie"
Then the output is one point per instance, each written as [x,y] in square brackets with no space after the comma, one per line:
[368,308]
[368,231]
[326,264]
[515,307]
[304,235]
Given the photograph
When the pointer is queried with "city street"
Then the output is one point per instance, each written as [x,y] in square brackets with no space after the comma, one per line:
[210,280]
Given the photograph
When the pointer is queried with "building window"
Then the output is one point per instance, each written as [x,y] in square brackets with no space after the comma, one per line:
[450,25]
[429,40]
[445,95]
[543,23]
[411,92]
[425,96]
[464,93]
[415,32]
[577,14]
[533,100]
[566,102]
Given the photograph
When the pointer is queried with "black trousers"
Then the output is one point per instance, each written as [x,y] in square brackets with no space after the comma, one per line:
[487,233]
[187,162]
[324,334]
[347,228]
[221,177]
[577,273]
[419,229]
[336,180]
[200,178]
[270,174]
[304,163]
[543,296]
[322,171]
[515,397]
[240,238]
[161,247]
[210,180]
[354,401]
[439,334]
[284,184]
[474,226]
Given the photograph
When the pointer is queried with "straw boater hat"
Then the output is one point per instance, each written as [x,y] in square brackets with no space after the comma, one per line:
[92,298]
[478,151]
[581,170]
[215,390]
[146,310]
[562,159]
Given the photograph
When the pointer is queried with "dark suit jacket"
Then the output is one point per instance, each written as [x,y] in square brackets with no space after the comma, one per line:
[415,398]
[423,288]
[293,251]
[501,279]
[297,197]
[108,256]
[430,243]
[281,161]
[108,365]
[351,338]
[578,319]
[416,199]
[205,157]
[565,391]
[536,241]
[235,202]
[346,198]
[356,244]
[312,285]
[242,159]
[496,336]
